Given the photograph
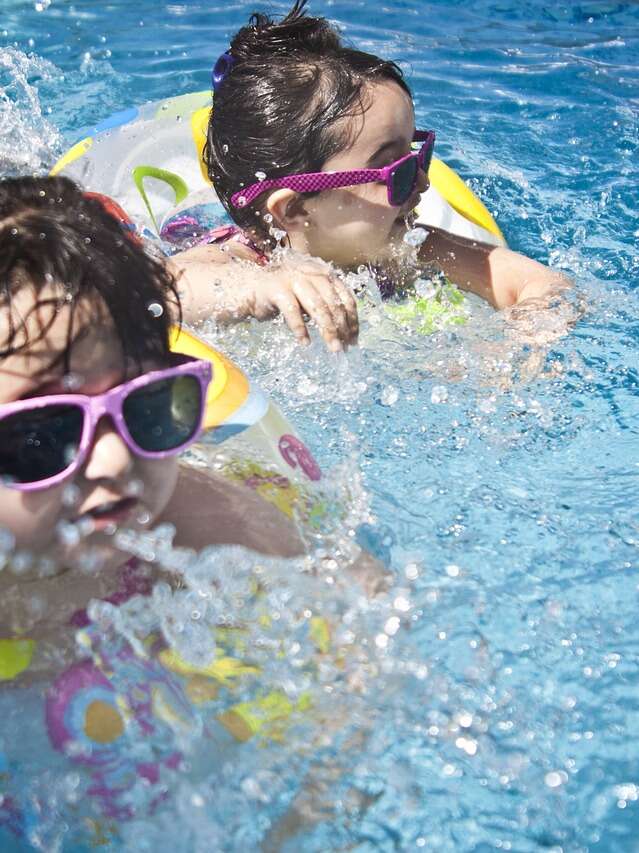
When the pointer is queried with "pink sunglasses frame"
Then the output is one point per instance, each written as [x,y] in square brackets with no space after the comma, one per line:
[316,181]
[110,404]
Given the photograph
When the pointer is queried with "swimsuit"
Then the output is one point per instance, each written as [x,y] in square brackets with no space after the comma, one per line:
[118,714]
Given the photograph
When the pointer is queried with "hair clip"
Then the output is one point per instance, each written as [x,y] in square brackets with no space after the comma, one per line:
[221,70]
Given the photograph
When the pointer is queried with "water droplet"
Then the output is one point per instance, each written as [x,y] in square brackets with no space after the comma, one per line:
[402,604]
[412,571]
[467,744]
[425,288]
[439,394]
[391,626]
[71,382]
[415,237]
[71,495]
[465,719]
[389,396]
[555,778]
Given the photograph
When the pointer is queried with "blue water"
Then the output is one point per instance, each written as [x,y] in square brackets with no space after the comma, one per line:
[507,470]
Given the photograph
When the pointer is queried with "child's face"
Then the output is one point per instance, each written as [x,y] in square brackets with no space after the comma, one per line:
[112,486]
[357,225]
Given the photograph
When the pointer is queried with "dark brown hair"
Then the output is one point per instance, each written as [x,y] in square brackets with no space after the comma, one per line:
[52,234]
[276,110]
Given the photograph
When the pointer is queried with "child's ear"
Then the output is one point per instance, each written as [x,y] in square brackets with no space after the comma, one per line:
[287,209]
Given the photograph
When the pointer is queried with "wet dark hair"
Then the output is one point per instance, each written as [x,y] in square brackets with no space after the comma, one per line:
[276,110]
[52,234]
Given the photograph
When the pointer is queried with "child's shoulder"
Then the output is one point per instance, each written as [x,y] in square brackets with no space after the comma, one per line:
[208,509]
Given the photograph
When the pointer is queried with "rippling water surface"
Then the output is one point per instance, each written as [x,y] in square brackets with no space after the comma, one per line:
[500,476]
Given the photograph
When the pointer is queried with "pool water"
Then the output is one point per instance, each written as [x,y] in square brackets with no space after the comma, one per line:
[497,475]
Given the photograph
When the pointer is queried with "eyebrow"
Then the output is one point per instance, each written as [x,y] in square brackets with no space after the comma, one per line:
[385,148]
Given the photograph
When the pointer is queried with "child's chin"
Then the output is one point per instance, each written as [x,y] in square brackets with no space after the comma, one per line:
[96,555]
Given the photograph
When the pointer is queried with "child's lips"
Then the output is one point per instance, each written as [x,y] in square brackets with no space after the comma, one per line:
[110,512]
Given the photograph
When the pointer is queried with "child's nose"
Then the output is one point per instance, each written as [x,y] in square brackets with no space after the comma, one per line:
[109,456]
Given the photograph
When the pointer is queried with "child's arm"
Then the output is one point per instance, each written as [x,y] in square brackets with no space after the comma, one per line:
[500,276]
[207,509]
[228,286]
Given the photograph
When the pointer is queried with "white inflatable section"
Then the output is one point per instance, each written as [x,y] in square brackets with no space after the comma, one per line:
[433,209]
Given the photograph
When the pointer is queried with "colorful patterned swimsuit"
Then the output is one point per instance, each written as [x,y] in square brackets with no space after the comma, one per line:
[116,717]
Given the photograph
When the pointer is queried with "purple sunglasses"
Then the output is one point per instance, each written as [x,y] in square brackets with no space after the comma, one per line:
[400,177]
[43,440]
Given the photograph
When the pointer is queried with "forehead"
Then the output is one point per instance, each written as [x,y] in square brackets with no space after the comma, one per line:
[388,116]
[50,329]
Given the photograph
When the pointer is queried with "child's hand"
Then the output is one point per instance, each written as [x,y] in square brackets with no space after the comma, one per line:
[303,288]
[544,319]
[226,285]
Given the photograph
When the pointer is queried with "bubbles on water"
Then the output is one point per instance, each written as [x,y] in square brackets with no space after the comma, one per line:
[555,778]
[7,545]
[415,237]
[426,288]
[70,534]
[278,234]
[389,395]
[29,142]
[439,394]
[71,495]
[21,562]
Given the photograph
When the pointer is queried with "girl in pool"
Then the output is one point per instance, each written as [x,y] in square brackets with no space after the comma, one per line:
[94,409]
[314,138]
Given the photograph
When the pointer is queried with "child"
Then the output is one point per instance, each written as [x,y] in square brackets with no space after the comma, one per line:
[94,409]
[298,117]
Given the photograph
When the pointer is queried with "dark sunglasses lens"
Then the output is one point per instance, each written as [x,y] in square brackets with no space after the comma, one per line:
[165,414]
[425,156]
[403,181]
[40,443]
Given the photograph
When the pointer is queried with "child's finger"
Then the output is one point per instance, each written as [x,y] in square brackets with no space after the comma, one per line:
[350,307]
[337,308]
[326,299]
[290,309]
[313,302]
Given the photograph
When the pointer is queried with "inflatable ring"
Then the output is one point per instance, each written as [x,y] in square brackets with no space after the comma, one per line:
[149,159]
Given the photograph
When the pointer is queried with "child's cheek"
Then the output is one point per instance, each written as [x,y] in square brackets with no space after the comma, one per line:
[157,478]
[31,517]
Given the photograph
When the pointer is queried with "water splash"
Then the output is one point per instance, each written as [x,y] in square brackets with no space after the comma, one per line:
[29,142]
